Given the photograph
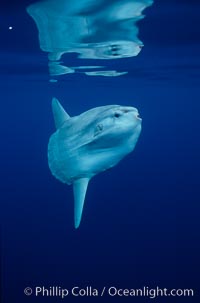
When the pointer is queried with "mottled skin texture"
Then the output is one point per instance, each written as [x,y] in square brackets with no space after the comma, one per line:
[87,144]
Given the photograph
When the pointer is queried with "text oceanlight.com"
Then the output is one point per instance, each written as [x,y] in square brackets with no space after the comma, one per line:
[112,291]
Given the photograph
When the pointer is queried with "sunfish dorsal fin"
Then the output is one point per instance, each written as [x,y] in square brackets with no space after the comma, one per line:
[59,114]
[79,188]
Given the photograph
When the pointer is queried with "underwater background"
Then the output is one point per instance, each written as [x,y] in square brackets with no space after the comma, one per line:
[140,225]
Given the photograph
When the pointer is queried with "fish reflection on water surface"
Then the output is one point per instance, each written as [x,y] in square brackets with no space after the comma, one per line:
[94,29]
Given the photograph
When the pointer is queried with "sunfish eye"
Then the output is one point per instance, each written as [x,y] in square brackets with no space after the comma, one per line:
[117,115]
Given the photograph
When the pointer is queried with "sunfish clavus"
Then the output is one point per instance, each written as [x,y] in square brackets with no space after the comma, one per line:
[90,143]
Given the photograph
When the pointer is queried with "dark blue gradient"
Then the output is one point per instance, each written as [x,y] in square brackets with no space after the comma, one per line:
[141,224]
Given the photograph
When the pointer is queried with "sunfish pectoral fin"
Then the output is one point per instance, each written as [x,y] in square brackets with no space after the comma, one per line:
[60,115]
[79,188]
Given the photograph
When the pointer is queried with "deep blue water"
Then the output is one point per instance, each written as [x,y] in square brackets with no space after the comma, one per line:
[141,218]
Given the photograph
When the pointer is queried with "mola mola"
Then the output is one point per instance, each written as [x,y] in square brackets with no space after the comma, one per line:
[90,143]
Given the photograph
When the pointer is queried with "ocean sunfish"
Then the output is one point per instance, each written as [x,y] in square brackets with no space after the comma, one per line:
[90,143]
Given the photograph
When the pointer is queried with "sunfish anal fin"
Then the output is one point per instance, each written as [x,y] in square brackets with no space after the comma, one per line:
[79,188]
[59,114]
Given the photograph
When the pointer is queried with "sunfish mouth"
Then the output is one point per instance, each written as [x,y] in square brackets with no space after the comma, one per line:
[138,116]
[133,110]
